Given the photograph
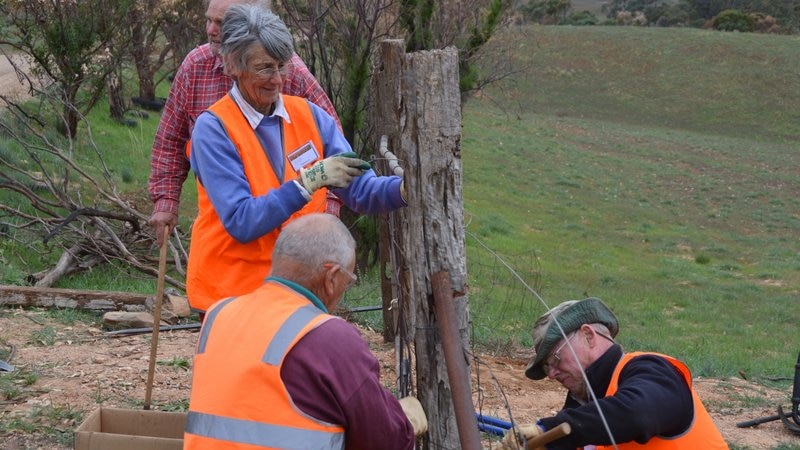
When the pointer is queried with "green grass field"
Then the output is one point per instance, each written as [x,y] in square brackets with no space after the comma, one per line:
[655,169]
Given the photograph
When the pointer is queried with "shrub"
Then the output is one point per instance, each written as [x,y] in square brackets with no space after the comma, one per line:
[765,23]
[581,18]
[671,16]
[734,20]
[546,12]
[631,18]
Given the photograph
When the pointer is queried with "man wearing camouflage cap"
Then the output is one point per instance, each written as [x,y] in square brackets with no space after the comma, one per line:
[645,398]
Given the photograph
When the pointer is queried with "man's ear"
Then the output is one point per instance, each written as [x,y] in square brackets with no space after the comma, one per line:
[588,333]
[328,282]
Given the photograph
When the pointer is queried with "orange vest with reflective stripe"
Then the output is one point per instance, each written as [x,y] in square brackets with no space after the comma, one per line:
[702,434]
[238,399]
[219,265]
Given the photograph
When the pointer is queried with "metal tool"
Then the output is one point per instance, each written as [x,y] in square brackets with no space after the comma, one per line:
[162,271]
[145,330]
[6,367]
[795,425]
[790,420]
[492,425]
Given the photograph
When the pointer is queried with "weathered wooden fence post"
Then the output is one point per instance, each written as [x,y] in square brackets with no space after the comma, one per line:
[417,106]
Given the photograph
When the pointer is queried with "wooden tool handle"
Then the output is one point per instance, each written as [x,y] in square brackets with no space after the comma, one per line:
[548,436]
[162,272]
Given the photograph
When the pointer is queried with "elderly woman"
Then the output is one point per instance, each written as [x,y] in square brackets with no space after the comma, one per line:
[262,159]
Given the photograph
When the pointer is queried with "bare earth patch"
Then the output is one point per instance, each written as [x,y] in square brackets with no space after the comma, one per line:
[79,368]
[10,85]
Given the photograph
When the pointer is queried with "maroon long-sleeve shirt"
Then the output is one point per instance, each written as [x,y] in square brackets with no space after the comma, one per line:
[332,376]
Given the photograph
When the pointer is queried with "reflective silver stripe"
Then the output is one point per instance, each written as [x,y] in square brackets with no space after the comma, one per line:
[208,322]
[256,433]
[288,331]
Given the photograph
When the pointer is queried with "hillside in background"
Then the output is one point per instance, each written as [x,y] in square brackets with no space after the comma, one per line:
[653,168]
[732,84]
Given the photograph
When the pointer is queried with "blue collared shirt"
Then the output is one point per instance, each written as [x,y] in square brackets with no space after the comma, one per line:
[216,162]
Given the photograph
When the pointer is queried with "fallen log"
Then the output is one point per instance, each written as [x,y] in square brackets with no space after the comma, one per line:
[27,296]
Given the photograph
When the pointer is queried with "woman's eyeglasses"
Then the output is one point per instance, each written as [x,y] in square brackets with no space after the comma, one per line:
[269,72]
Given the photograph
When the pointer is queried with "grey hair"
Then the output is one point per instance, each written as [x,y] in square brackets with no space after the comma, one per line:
[245,25]
[602,330]
[267,4]
[308,242]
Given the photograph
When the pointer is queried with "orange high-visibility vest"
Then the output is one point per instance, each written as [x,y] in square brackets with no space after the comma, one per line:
[238,399]
[219,266]
[702,433]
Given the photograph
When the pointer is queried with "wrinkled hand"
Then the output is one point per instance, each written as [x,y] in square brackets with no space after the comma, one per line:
[160,220]
[416,415]
[515,438]
[334,171]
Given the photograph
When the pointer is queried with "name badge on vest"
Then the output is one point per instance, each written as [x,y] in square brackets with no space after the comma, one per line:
[303,156]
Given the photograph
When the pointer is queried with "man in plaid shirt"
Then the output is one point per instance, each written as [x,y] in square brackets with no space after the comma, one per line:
[199,82]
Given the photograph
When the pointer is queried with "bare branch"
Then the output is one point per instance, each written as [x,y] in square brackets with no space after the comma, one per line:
[70,206]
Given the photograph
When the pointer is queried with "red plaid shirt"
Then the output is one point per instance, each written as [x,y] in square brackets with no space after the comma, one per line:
[199,83]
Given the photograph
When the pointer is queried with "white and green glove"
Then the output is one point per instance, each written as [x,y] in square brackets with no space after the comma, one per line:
[416,415]
[334,171]
[516,436]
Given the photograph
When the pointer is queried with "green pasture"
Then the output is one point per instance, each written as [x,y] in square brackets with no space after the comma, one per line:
[653,168]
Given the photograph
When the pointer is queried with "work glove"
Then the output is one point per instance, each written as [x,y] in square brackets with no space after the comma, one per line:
[516,437]
[413,409]
[334,171]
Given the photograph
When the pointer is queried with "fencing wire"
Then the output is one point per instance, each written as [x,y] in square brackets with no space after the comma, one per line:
[528,278]
[503,292]
[502,289]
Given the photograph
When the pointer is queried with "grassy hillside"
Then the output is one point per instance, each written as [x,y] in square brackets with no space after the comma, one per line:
[732,84]
[654,168]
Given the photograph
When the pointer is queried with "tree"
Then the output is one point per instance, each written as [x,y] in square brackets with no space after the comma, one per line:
[786,12]
[653,10]
[56,199]
[337,41]
[479,35]
[581,18]
[183,28]
[415,18]
[144,24]
[70,45]
[733,20]
[707,9]
[160,30]
[548,12]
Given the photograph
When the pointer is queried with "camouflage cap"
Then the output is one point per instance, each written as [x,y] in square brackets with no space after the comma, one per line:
[571,315]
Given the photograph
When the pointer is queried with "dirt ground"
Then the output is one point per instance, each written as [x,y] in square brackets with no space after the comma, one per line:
[9,83]
[79,367]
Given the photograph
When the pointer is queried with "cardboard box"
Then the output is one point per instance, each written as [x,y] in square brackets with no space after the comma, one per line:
[130,429]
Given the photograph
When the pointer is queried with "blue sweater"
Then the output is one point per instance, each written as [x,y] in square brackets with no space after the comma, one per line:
[218,167]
